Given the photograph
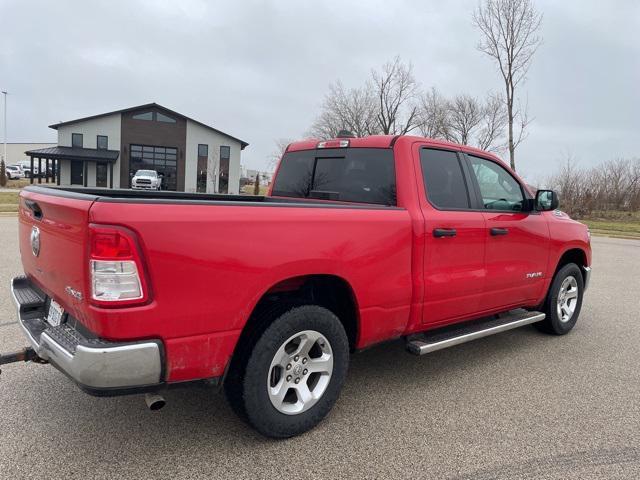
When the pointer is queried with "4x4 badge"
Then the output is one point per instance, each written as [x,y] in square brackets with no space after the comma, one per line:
[73,292]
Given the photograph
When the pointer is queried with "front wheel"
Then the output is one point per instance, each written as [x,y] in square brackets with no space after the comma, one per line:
[294,372]
[564,301]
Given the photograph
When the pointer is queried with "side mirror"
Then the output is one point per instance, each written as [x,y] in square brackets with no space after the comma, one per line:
[546,200]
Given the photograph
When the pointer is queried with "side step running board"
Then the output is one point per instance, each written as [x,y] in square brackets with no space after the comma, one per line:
[455,335]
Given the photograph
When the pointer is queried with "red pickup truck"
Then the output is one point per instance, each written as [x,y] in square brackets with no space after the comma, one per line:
[359,241]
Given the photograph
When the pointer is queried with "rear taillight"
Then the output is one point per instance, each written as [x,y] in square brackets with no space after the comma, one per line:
[115,267]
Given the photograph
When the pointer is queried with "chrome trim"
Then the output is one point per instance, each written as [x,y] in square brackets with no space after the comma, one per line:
[102,367]
[422,347]
[586,277]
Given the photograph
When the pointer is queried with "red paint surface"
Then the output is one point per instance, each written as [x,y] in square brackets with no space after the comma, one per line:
[207,266]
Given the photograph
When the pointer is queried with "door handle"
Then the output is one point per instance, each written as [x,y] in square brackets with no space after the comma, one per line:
[444,232]
[499,231]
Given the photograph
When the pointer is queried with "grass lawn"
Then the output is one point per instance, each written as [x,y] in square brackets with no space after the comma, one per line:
[248,189]
[614,224]
[23,182]
[8,202]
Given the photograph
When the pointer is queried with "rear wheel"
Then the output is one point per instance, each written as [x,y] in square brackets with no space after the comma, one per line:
[564,301]
[294,372]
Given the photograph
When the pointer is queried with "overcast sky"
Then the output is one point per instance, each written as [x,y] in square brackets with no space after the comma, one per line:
[259,70]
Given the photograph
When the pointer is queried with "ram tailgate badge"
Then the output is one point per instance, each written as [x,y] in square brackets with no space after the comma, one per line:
[35,241]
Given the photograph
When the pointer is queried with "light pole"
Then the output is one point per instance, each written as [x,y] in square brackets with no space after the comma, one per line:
[4,156]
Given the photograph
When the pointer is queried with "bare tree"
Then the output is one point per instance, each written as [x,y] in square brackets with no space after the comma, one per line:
[395,90]
[281,145]
[433,115]
[346,109]
[463,119]
[494,120]
[256,185]
[465,115]
[569,182]
[213,167]
[607,189]
[510,36]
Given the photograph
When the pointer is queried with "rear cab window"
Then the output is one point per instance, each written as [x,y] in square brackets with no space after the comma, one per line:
[358,175]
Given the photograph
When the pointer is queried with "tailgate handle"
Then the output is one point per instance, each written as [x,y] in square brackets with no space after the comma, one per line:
[35,208]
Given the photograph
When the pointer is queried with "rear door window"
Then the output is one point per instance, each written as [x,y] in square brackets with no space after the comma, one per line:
[360,175]
[443,179]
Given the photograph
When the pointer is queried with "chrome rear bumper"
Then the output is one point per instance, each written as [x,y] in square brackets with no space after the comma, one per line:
[98,366]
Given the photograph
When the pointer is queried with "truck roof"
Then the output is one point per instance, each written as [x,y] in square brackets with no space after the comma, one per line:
[388,141]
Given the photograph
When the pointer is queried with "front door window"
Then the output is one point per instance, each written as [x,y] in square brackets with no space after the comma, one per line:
[499,190]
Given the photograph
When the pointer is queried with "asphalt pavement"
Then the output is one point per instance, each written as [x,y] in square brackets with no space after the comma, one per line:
[515,405]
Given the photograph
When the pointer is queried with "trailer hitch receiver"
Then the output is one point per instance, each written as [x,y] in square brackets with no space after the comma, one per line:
[27,354]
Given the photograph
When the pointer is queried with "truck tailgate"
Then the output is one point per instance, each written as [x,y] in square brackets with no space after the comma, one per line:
[53,232]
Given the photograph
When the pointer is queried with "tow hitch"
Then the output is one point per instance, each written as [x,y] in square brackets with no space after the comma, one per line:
[27,354]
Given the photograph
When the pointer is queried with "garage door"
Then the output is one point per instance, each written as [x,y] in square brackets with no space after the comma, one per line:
[161,159]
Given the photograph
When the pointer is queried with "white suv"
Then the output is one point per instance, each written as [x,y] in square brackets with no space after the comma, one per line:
[14,171]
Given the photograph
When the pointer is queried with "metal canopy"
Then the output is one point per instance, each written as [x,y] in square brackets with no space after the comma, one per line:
[55,154]
[75,153]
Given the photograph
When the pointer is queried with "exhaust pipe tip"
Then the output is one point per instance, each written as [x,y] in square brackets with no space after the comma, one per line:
[154,401]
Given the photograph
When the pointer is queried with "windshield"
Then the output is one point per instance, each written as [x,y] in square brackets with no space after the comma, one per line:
[362,175]
[146,173]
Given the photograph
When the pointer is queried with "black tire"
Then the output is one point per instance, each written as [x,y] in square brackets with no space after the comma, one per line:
[246,384]
[234,377]
[553,324]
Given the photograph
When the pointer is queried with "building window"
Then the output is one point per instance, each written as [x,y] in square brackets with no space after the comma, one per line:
[143,116]
[77,172]
[76,140]
[223,181]
[203,157]
[157,116]
[101,174]
[161,117]
[161,159]
[102,142]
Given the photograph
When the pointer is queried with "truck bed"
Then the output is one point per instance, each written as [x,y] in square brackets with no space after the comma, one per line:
[163,196]
[209,259]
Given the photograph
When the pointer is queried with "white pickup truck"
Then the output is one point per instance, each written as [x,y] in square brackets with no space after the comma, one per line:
[146,179]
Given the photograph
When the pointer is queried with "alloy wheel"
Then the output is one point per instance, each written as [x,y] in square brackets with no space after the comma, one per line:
[300,372]
[567,299]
